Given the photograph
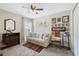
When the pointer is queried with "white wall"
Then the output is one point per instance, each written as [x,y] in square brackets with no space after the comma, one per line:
[48,18]
[6,15]
[42,29]
[38,28]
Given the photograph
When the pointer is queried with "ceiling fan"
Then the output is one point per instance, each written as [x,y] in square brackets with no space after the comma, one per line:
[33,8]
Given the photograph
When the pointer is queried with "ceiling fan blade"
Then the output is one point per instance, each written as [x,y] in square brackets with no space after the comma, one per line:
[33,7]
[26,7]
[39,9]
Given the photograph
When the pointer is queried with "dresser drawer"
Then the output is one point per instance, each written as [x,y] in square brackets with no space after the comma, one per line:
[11,39]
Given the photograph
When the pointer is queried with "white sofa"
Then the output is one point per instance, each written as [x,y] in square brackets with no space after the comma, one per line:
[44,41]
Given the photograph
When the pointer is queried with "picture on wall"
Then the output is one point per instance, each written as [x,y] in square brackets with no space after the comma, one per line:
[9,25]
[58,19]
[65,19]
[53,20]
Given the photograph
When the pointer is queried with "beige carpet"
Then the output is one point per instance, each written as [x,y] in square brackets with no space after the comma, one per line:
[20,50]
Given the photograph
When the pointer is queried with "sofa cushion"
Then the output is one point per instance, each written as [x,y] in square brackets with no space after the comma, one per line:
[36,39]
[56,39]
[37,35]
[30,34]
[46,36]
[40,35]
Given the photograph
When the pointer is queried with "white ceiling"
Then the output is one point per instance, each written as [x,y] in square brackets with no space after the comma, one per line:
[49,8]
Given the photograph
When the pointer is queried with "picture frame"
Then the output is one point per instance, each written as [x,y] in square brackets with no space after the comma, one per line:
[9,25]
[53,20]
[65,19]
[58,19]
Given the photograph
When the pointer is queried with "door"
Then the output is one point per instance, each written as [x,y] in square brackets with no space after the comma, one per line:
[76,30]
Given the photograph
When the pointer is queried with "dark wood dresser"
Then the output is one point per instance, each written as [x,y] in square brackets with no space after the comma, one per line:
[11,39]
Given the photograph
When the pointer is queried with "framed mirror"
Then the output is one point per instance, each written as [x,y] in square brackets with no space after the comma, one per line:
[9,25]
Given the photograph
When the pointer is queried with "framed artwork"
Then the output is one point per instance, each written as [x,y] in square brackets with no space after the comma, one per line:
[58,19]
[9,25]
[65,19]
[58,29]
[53,20]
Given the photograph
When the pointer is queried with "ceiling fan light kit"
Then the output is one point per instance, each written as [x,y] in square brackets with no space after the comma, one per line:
[36,12]
[34,8]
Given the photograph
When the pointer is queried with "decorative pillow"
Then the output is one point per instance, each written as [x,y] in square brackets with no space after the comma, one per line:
[30,34]
[37,35]
[46,36]
[40,35]
[57,33]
